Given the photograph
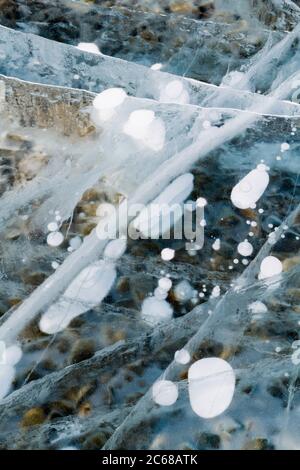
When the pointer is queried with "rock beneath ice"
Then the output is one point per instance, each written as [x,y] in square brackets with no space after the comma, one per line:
[270,266]
[250,189]
[165,392]
[211,386]
[155,311]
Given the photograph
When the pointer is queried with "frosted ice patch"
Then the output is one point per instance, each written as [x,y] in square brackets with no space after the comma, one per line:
[211,384]
[270,266]
[155,311]
[182,356]
[55,238]
[165,392]
[245,248]
[250,189]
[88,47]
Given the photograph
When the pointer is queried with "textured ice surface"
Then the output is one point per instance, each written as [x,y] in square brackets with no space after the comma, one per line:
[116,344]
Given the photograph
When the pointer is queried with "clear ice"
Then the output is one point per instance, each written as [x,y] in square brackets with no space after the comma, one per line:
[142,343]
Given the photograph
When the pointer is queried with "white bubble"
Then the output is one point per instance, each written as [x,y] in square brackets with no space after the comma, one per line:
[165,283]
[55,238]
[115,248]
[206,124]
[249,190]
[245,248]
[216,291]
[183,291]
[160,293]
[211,386]
[54,264]
[13,354]
[216,245]
[182,356]
[174,88]
[258,307]
[109,99]
[143,126]
[138,123]
[174,92]
[167,254]
[201,202]
[165,392]
[52,227]
[75,242]
[270,266]
[88,47]
[284,146]
[155,311]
